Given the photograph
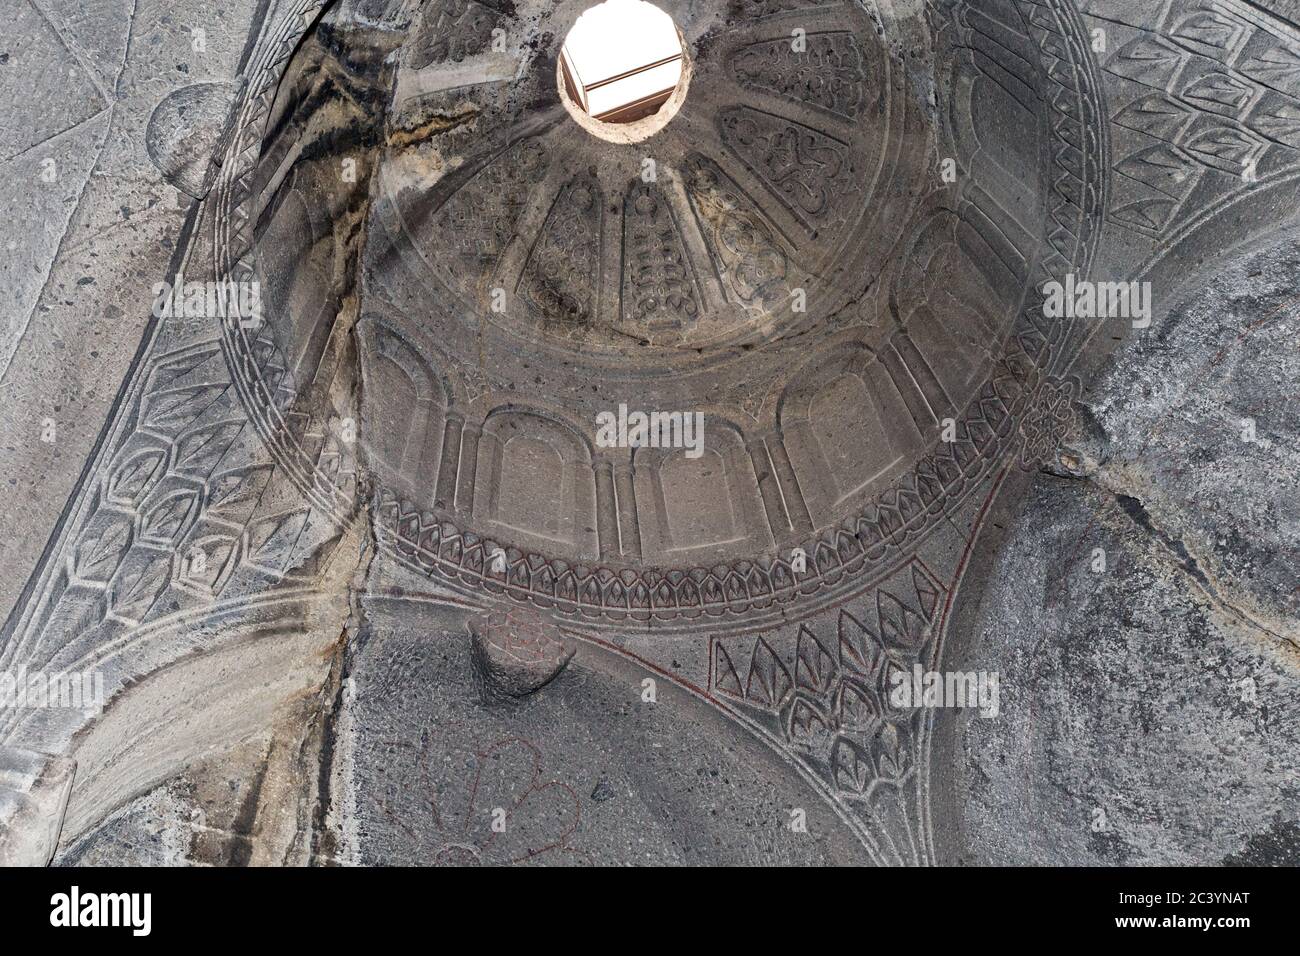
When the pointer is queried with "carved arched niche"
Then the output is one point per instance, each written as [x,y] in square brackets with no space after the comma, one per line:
[955,295]
[404,411]
[995,104]
[534,484]
[846,429]
[697,509]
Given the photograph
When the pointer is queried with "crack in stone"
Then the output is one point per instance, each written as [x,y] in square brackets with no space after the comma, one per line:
[1175,546]
[439,123]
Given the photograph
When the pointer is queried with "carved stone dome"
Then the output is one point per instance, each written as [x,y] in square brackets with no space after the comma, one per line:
[832,252]
[391,571]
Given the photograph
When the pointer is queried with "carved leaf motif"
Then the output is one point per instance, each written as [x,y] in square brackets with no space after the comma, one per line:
[859,648]
[889,753]
[135,477]
[769,680]
[658,287]
[138,587]
[1156,115]
[1208,32]
[544,580]
[807,727]
[742,243]
[206,561]
[170,373]
[235,494]
[1277,117]
[1146,60]
[100,551]
[271,541]
[726,680]
[200,451]
[167,519]
[900,626]
[801,166]
[855,707]
[815,669]
[1223,147]
[176,409]
[1278,66]
[688,594]
[851,768]
[927,592]
[1220,93]
[1161,167]
[1150,215]
[663,595]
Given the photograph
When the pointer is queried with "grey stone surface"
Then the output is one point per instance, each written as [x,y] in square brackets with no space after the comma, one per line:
[1143,615]
[1141,722]
[366,583]
[582,771]
[34,790]
[81,255]
[1200,420]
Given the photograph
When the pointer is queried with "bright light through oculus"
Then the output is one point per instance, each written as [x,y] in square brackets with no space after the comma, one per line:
[622,60]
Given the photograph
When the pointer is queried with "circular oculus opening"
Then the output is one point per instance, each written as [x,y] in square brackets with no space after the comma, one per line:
[623,70]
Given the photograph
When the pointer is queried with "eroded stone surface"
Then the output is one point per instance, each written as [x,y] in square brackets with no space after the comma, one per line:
[322,550]
[1141,722]
[34,790]
[1149,637]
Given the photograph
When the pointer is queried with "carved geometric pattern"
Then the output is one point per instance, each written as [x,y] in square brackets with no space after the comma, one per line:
[167,491]
[479,219]
[746,254]
[983,436]
[1079,145]
[161,515]
[659,289]
[823,691]
[1203,91]
[795,163]
[448,31]
[1050,418]
[750,264]
[257,362]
